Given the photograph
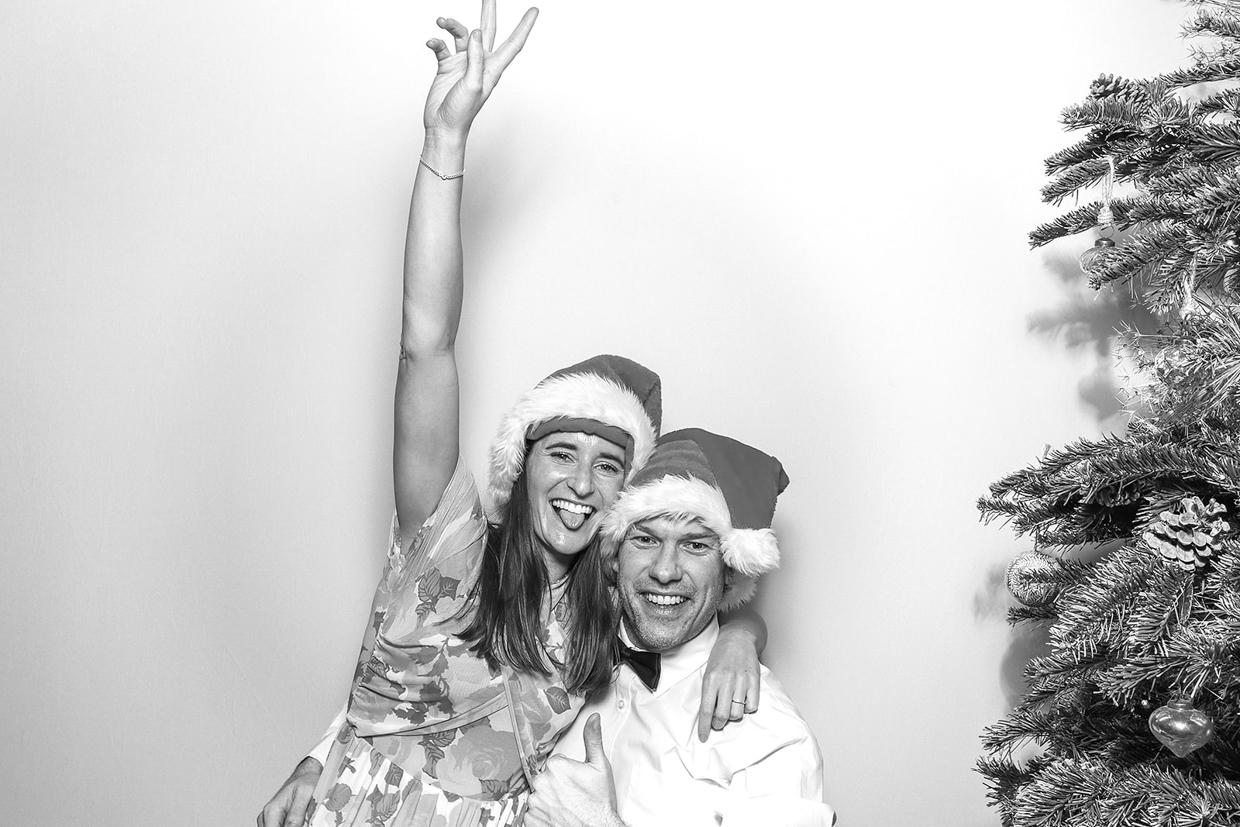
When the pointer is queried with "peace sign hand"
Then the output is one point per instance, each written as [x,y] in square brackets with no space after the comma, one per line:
[468,73]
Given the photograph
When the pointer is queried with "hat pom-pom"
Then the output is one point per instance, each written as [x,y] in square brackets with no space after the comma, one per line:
[751,551]
[739,591]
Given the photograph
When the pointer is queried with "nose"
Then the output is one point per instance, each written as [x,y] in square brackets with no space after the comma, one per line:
[582,480]
[665,568]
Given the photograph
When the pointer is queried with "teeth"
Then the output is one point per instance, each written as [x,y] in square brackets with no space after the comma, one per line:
[665,599]
[573,515]
[576,508]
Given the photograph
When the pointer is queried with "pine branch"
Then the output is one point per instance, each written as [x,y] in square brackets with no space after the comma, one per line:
[1018,728]
[1160,608]
[1092,148]
[1216,143]
[1212,23]
[1022,614]
[1056,461]
[1225,101]
[1097,610]
[1223,68]
[1128,212]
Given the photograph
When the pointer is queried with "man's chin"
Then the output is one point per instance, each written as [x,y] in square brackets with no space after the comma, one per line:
[656,633]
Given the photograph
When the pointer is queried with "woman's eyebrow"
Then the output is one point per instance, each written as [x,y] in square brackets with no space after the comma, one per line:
[562,443]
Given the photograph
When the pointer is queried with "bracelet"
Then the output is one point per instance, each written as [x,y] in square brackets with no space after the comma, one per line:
[439,174]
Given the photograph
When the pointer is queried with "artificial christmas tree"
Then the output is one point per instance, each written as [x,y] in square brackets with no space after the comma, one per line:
[1133,717]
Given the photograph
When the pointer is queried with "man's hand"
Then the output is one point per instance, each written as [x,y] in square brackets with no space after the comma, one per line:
[287,808]
[572,794]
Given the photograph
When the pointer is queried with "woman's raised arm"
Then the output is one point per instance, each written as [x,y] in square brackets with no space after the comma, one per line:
[427,419]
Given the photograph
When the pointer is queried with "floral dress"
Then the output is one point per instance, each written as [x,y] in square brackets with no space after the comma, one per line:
[433,736]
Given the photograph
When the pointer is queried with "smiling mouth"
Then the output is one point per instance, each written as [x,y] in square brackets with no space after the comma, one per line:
[573,515]
[665,600]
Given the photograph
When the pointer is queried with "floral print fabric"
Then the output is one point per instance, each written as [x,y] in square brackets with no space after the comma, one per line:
[361,786]
[426,705]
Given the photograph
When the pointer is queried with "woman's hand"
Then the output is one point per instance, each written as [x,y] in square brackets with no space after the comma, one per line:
[287,808]
[732,679]
[468,72]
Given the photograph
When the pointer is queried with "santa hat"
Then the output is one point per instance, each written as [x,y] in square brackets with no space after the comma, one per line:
[726,484]
[608,396]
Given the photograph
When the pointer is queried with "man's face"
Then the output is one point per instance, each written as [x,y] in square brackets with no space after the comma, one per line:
[670,577]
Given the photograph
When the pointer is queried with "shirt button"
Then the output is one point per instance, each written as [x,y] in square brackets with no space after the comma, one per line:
[620,703]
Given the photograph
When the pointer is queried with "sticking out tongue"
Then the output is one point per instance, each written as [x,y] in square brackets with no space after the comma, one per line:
[571,519]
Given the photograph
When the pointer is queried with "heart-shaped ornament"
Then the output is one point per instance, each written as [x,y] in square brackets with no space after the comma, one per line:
[1181,727]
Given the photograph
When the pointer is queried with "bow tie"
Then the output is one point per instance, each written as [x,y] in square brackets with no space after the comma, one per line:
[644,664]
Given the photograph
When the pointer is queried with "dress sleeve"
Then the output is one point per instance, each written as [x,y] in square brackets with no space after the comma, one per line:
[452,531]
[428,577]
[319,753]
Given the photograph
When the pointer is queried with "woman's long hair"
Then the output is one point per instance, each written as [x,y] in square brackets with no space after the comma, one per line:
[507,604]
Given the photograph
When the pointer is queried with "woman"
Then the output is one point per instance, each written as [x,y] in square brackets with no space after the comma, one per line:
[485,638]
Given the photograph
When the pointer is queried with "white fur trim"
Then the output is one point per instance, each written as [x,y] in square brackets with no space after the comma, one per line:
[669,497]
[748,552]
[751,551]
[577,395]
[739,592]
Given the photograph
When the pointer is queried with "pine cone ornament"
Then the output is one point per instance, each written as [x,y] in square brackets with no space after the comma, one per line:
[1189,534]
[1105,86]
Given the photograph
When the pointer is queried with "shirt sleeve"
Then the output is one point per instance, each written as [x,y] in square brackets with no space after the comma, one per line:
[324,746]
[783,789]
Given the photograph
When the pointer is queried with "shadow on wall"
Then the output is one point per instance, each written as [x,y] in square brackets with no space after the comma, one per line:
[1086,320]
[1089,320]
[1025,641]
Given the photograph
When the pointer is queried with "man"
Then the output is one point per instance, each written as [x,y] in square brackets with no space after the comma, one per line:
[689,537]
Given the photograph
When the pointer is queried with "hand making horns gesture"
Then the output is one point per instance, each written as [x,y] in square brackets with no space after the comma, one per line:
[469,71]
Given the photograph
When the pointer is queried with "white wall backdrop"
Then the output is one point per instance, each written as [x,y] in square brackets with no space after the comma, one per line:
[809,217]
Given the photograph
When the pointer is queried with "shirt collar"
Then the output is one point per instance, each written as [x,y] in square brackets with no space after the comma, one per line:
[681,661]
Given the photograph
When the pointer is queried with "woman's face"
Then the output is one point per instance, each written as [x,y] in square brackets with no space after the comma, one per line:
[573,478]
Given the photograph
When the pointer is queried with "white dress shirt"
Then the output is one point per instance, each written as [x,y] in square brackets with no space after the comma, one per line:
[763,770]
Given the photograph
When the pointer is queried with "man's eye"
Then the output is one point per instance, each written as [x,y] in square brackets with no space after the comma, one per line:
[609,468]
[698,547]
[641,540]
[562,456]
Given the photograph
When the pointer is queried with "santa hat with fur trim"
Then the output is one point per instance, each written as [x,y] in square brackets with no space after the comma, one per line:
[726,484]
[610,396]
